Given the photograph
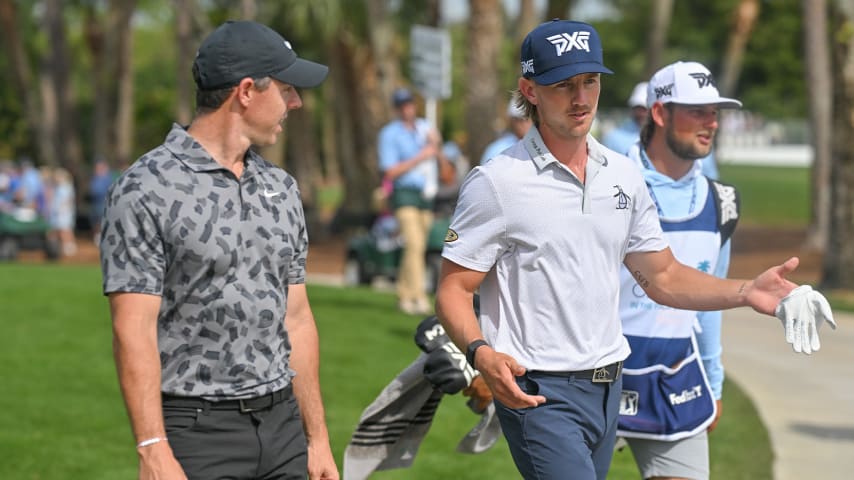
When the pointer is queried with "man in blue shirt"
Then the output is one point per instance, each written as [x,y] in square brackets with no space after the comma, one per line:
[408,150]
[99,184]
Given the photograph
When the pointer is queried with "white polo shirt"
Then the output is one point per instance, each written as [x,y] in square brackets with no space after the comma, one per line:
[553,248]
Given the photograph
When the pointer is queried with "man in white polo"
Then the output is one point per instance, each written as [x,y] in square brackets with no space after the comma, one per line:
[542,231]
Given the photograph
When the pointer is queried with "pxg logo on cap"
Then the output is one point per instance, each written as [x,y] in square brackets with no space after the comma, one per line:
[687,83]
[560,49]
[240,49]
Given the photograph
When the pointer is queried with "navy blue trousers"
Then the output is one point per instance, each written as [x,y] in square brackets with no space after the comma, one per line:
[571,436]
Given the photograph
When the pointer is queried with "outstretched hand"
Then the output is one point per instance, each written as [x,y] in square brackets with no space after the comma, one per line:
[801,309]
[499,371]
[766,290]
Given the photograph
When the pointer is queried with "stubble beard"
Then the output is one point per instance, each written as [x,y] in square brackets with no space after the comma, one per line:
[685,150]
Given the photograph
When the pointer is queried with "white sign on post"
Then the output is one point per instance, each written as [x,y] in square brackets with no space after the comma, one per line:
[430,61]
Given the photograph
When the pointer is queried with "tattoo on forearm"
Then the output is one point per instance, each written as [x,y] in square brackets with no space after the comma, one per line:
[642,281]
[741,288]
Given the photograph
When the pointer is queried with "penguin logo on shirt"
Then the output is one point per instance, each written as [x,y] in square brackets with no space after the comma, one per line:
[622,198]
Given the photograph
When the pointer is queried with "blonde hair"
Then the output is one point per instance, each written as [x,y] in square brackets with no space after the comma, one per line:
[529,109]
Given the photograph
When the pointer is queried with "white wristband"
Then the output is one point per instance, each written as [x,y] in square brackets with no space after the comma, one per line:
[150,441]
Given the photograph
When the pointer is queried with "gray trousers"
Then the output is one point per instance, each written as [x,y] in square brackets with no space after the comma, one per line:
[212,442]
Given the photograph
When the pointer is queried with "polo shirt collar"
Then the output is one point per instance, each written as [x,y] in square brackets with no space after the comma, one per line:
[191,153]
[542,157]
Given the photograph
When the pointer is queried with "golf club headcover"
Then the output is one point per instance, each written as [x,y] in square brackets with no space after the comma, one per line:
[447,369]
[430,335]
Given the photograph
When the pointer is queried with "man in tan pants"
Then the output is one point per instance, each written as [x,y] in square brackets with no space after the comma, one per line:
[409,150]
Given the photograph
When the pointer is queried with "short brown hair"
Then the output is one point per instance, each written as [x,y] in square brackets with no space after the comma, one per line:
[209,100]
[648,129]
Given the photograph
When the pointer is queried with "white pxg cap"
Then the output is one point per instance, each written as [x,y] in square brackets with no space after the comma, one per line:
[686,83]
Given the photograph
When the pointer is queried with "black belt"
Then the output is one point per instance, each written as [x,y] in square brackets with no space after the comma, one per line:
[244,405]
[606,374]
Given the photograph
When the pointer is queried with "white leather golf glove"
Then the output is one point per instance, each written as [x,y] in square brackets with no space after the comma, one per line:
[802,312]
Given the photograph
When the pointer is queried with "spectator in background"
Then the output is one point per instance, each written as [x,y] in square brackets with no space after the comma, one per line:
[102,178]
[518,125]
[627,133]
[8,179]
[29,192]
[409,152]
[61,209]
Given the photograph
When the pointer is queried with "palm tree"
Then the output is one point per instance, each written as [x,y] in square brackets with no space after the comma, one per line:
[485,35]
[820,80]
[839,256]
[662,13]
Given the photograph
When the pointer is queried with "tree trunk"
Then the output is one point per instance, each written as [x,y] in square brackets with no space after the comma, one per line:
[66,141]
[120,17]
[187,42]
[559,9]
[525,23]
[382,43]
[103,76]
[23,78]
[302,152]
[485,33]
[110,41]
[745,17]
[358,109]
[248,9]
[656,42]
[839,257]
[818,77]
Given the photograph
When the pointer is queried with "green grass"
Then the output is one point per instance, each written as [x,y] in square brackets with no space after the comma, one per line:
[777,197]
[62,416]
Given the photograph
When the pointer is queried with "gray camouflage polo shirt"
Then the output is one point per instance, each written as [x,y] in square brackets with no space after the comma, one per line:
[220,252]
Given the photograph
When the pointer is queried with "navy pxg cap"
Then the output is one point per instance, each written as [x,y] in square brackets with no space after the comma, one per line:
[240,49]
[559,49]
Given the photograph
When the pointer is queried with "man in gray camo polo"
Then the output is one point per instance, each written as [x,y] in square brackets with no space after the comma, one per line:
[203,253]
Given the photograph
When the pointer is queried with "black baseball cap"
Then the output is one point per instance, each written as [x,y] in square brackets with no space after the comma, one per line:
[240,49]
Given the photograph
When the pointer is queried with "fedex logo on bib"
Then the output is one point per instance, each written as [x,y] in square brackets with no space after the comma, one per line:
[686,395]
